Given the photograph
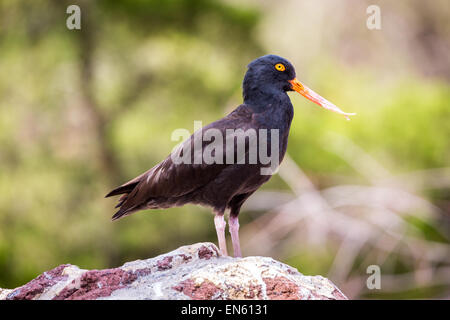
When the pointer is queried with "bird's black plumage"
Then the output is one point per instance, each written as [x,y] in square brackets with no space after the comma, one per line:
[221,186]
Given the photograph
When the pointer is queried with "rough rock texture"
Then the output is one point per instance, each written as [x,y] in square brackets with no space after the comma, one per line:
[190,272]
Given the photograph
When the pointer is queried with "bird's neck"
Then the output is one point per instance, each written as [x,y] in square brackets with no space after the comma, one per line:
[272,109]
[261,99]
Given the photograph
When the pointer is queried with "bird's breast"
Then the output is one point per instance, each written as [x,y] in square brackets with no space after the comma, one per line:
[274,126]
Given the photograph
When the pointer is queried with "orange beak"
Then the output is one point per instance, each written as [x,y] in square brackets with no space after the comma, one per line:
[314,97]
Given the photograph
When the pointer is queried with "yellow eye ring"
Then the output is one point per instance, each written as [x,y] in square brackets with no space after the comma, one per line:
[280,67]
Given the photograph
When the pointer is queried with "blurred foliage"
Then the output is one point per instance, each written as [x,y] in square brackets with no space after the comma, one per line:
[82,111]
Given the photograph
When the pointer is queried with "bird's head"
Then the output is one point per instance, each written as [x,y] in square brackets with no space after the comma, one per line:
[272,74]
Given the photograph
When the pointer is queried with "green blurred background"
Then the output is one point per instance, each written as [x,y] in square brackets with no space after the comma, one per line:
[82,111]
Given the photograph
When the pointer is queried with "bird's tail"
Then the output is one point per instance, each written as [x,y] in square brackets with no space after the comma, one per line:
[124,190]
[122,212]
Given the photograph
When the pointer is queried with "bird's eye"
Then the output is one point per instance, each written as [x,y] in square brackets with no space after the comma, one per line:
[280,67]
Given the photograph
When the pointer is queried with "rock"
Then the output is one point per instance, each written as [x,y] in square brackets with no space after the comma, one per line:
[190,272]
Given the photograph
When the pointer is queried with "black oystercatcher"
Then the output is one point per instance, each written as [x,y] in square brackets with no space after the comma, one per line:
[238,165]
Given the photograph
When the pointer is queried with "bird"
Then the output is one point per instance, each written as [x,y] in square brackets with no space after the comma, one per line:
[226,183]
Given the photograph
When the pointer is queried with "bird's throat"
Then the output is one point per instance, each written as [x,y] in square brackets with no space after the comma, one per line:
[262,100]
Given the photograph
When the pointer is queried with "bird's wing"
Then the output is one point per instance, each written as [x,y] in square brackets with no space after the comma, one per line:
[169,179]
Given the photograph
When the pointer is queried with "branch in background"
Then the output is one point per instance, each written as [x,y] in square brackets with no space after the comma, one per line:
[86,42]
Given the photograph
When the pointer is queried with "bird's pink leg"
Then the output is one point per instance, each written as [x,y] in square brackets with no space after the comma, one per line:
[220,224]
[234,230]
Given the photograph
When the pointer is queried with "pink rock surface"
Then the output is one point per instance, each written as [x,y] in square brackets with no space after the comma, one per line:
[191,272]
